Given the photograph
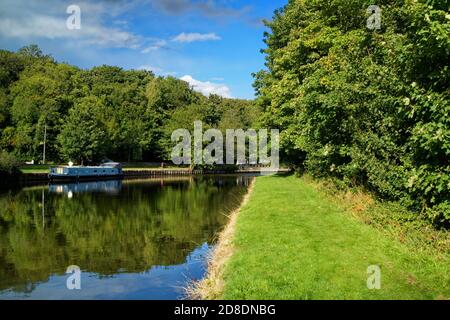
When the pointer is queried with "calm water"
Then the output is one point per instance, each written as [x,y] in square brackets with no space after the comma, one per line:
[132,239]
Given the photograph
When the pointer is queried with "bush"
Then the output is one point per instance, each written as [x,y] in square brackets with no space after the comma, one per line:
[9,166]
[367,107]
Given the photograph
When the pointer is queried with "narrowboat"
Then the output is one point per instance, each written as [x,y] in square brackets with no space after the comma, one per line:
[109,170]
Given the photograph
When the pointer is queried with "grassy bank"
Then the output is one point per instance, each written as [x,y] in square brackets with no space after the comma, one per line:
[36,168]
[294,240]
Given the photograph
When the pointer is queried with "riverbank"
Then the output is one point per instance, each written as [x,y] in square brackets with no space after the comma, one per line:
[293,239]
[42,174]
[212,284]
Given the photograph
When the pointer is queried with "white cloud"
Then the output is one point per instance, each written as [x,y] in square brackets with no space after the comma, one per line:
[47,20]
[207,88]
[111,37]
[157,70]
[156,45]
[30,21]
[121,23]
[192,37]
[208,8]
[153,69]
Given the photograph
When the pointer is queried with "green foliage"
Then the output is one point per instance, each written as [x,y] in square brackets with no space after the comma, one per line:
[9,166]
[126,115]
[368,107]
[83,136]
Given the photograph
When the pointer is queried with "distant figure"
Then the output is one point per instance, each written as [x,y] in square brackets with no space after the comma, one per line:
[162,165]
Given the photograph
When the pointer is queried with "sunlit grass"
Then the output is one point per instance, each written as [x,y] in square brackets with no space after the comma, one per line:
[38,168]
[293,242]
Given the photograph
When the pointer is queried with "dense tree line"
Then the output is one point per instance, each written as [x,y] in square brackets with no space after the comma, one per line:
[104,112]
[365,106]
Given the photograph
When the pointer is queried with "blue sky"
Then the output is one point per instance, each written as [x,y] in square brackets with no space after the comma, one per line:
[213,44]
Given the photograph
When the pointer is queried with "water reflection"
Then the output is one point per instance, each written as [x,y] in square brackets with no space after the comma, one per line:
[140,239]
[108,186]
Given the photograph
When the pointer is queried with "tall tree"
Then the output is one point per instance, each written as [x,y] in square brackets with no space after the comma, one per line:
[366,106]
[83,137]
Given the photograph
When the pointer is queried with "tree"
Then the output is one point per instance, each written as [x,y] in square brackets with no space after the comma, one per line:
[133,108]
[83,137]
[31,51]
[367,107]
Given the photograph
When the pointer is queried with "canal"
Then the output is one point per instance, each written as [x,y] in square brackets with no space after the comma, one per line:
[131,239]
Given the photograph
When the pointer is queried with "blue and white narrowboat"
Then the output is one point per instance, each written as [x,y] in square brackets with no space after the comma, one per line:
[107,170]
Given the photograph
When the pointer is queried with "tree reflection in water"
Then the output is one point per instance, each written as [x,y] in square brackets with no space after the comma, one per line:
[109,227]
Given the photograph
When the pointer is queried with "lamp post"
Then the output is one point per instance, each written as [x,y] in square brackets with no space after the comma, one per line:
[45,141]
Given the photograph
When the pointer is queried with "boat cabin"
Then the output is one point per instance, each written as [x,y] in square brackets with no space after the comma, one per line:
[105,170]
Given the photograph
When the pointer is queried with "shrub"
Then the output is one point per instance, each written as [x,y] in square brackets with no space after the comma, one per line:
[367,107]
[9,166]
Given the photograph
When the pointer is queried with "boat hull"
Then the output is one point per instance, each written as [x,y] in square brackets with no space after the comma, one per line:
[53,177]
[70,173]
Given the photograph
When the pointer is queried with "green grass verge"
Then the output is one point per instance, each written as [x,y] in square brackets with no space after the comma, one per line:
[38,168]
[293,242]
